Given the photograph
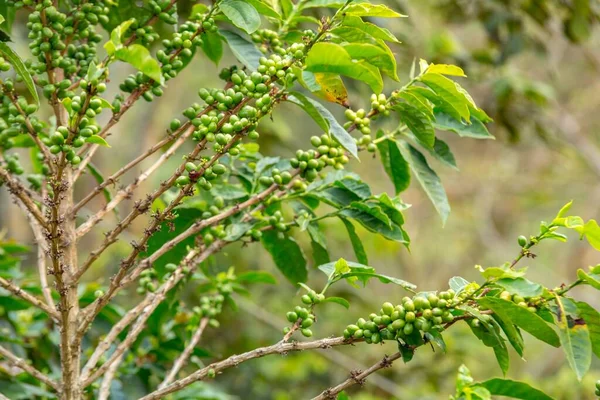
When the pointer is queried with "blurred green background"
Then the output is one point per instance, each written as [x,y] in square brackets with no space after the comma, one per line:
[534,66]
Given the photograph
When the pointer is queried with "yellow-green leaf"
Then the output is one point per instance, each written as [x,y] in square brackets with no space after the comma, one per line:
[371,10]
[139,57]
[333,58]
[574,338]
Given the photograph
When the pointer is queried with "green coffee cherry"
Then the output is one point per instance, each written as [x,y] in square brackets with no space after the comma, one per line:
[522,241]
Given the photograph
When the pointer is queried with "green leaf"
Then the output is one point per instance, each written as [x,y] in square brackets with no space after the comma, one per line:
[243,50]
[368,28]
[512,334]
[394,164]
[407,352]
[564,210]
[256,277]
[308,106]
[286,7]
[318,244]
[212,46]
[331,57]
[592,319]
[379,56]
[95,139]
[591,279]
[338,300]
[100,179]
[418,123]
[441,151]
[236,230]
[450,91]
[436,337]
[264,9]
[14,60]
[591,231]
[373,210]
[376,225]
[430,182]
[325,119]
[359,250]
[501,353]
[458,283]
[242,14]
[139,57]
[489,333]
[349,271]
[476,129]
[523,318]
[198,9]
[521,286]
[185,217]
[287,255]
[342,396]
[574,337]
[371,10]
[513,389]
[116,37]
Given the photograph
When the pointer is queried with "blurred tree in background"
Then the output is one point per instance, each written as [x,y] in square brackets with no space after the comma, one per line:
[533,66]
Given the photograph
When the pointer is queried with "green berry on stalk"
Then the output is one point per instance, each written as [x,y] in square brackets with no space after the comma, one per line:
[522,241]
[306,323]
[291,316]
[388,308]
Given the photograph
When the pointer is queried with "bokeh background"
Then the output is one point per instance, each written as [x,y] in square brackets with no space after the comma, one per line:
[534,66]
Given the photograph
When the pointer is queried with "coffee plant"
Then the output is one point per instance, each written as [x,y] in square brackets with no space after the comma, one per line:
[55,117]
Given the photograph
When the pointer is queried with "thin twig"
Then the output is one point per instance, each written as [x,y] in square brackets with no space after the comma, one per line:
[21,363]
[113,178]
[113,334]
[21,193]
[128,191]
[235,360]
[17,291]
[183,358]
[358,377]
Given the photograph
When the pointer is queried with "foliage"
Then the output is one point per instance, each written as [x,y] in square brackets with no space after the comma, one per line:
[225,191]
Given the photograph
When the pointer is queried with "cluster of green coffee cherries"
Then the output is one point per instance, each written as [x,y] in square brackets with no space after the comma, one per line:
[277,176]
[12,121]
[302,315]
[164,10]
[61,141]
[529,303]
[420,313]
[179,49]
[201,175]
[210,307]
[361,120]
[149,279]
[270,42]
[13,164]
[136,81]
[277,221]
[48,35]
[311,162]
[598,388]
[214,232]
